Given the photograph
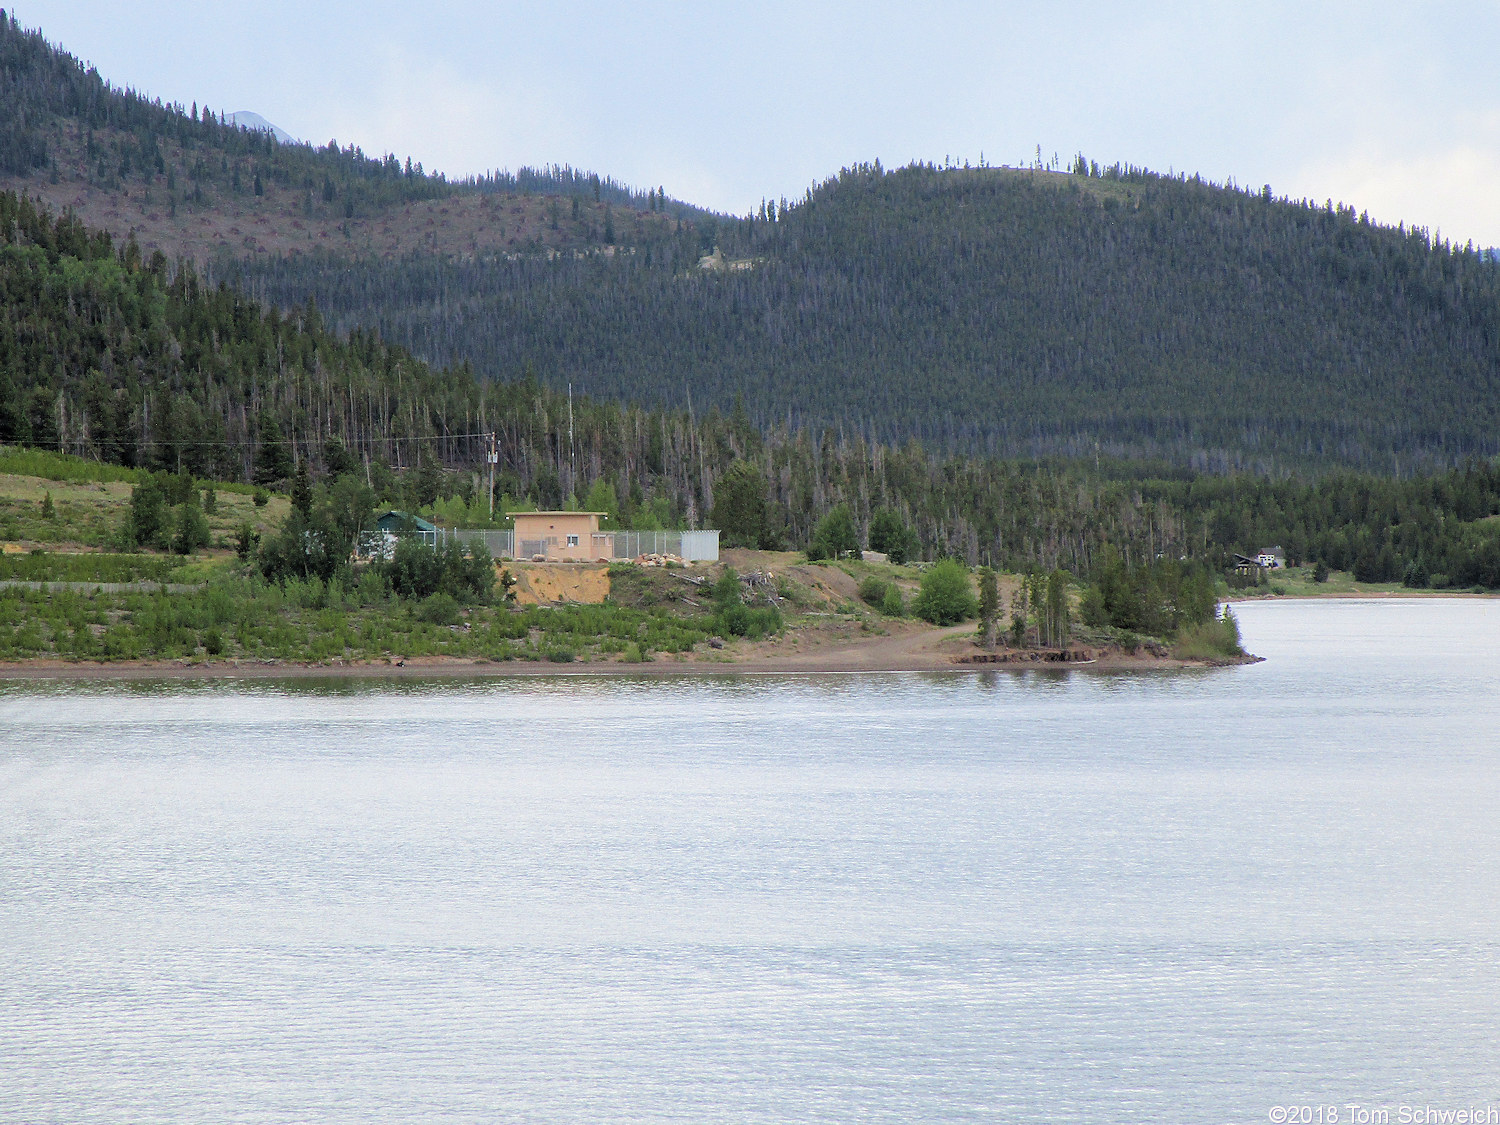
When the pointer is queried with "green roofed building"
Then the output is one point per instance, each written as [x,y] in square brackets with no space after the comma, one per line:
[391,525]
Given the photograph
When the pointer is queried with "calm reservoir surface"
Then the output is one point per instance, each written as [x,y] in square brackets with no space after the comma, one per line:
[1188,896]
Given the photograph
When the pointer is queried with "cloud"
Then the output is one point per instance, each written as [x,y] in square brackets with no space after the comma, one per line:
[1449,189]
[1402,125]
[454,121]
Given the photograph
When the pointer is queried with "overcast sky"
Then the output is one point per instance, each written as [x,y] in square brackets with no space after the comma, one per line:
[1393,107]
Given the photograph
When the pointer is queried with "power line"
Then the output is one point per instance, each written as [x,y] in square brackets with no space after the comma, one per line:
[247,444]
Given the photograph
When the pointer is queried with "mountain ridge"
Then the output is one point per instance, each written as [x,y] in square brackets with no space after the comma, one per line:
[198,184]
[1004,311]
[1012,312]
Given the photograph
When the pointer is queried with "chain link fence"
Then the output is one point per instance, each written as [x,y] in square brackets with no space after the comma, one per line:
[694,546]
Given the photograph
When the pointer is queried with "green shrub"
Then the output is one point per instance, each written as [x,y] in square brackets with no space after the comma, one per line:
[309,618]
[893,604]
[150,518]
[872,591]
[246,538]
[192,529]
[416,570]
[726,591]
[946,597]
[438,609]
[743,621]
[1417,576]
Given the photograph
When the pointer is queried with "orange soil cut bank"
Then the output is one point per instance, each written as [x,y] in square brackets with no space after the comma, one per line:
[552,583]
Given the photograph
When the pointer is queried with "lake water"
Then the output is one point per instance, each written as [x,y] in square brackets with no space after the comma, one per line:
[1189,897]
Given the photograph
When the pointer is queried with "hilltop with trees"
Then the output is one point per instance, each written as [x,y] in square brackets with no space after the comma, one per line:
[1103,312]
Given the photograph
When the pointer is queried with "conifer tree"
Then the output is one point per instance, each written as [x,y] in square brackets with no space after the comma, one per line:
[989,607]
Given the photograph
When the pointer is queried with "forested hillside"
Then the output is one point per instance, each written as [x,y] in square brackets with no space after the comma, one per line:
[111,356]
[996,310]
[1103,312]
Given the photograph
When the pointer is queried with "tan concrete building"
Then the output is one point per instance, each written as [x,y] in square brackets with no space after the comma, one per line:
[562,536]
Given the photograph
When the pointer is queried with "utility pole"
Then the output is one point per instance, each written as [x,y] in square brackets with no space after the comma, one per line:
[492,457]
[572,452]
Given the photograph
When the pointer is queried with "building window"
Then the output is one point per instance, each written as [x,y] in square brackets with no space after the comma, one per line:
[572,541]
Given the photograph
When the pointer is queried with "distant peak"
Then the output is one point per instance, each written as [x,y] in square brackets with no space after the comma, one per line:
[249,119]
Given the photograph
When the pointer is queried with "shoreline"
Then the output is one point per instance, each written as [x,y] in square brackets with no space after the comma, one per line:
[833,663]
[907,647]
[924,651]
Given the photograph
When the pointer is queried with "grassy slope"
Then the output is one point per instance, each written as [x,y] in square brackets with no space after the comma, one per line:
[88,514]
